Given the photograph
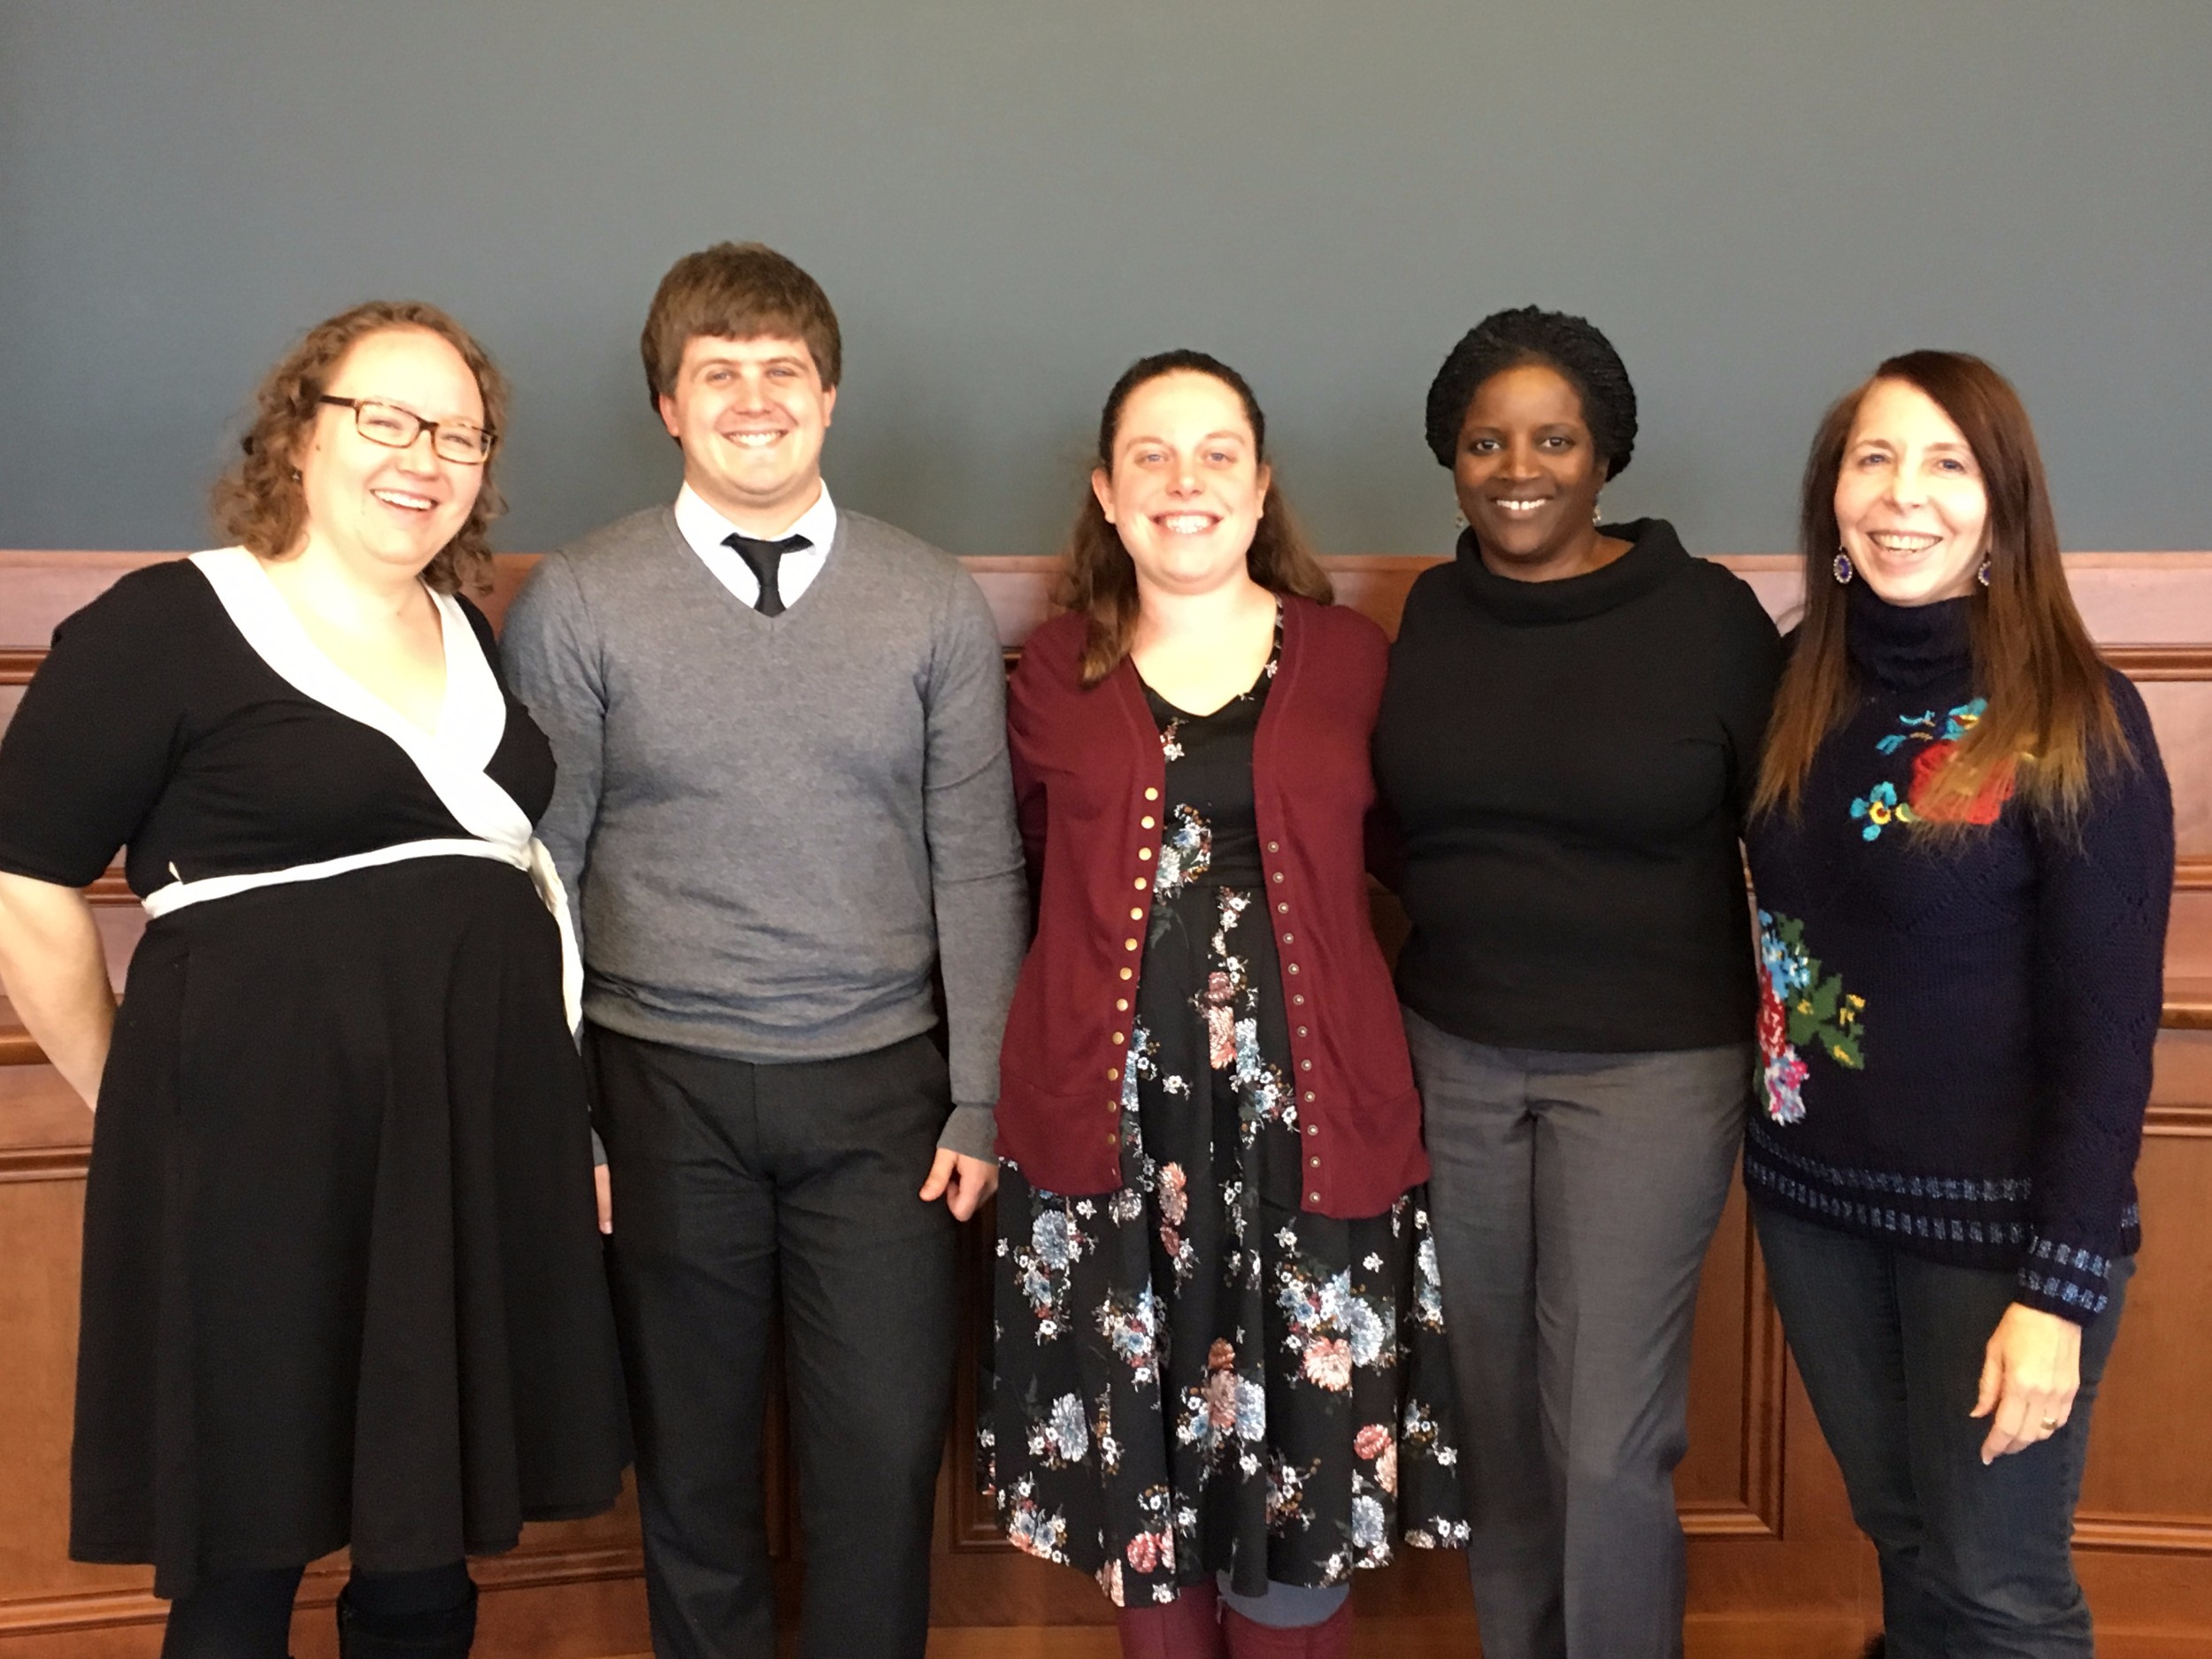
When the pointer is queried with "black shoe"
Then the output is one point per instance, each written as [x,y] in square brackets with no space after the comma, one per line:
[443,1634]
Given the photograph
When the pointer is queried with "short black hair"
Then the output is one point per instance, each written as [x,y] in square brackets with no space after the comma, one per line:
[1572,345]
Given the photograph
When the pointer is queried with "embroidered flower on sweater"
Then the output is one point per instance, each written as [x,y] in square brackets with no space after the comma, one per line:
[1988,802]
[1880,807]
[1797,1005]
[1922,728]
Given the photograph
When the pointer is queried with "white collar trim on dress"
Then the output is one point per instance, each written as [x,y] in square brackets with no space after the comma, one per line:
[470,721]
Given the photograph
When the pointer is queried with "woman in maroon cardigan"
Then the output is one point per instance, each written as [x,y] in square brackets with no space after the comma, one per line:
[1219,1342]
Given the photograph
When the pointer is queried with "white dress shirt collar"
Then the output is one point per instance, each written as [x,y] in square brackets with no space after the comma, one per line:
[707,532]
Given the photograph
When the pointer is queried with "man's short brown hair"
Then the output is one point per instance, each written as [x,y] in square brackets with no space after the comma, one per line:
[736,290]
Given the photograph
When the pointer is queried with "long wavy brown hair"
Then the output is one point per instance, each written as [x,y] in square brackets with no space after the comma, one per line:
[1096,575]
[2050,720]
[258,502]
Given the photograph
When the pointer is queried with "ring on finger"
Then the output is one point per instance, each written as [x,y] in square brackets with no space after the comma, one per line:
[2050,1426]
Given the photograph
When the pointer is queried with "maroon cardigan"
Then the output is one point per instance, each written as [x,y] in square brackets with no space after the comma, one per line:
[1087,776]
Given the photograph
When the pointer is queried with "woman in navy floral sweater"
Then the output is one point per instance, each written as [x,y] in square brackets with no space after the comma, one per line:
[1963,846]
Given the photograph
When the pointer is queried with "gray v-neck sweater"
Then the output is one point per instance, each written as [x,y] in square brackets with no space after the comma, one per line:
[772,829]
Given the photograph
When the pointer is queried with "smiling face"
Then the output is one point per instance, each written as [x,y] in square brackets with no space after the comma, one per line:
[381,509]
[751,415]
[1187,487]
[1527,473]
[1911,509]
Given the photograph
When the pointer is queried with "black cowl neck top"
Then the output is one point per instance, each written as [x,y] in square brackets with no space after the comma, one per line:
[1568,764]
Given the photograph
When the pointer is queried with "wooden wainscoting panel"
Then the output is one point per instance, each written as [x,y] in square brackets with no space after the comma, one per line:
[45,1134]
[40,1225]
[1018,591]
[2143,598]
[1729,1484]
[2181,712]
[1776,1565]
[43,587]
[2149,1480]
[1376,585]
[2181,1086]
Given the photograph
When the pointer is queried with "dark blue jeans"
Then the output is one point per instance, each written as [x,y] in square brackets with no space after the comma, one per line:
[1975,1562]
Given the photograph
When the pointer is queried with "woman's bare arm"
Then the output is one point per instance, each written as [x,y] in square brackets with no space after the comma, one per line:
[57,975]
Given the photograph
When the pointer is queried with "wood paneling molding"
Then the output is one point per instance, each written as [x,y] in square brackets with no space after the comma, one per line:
[2164,1535]
[519,1570]
[1757,1511]
[2161,662]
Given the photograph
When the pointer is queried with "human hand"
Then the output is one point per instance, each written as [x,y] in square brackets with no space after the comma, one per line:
[2030,1372]
[605,1189]
[962,1182]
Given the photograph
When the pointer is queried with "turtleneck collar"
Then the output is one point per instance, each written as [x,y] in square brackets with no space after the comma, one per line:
[1655,553]
[1907,646]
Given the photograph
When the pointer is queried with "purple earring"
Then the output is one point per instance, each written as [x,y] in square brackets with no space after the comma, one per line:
[1843,569]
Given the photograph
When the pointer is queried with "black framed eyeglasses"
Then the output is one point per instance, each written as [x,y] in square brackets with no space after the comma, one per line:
[396,429]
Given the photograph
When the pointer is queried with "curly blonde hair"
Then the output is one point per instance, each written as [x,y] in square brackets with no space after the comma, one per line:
[258,502]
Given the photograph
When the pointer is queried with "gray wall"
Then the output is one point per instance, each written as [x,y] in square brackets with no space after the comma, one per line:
[1009,199]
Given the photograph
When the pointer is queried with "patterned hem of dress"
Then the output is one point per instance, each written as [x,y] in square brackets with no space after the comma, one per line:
[1143,1438]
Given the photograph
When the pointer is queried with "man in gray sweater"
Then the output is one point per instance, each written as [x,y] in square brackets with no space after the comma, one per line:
[783,801]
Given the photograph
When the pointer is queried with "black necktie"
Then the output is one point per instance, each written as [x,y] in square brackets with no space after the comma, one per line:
[763,557]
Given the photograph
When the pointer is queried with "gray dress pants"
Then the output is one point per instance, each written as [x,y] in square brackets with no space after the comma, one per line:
[1573,1197]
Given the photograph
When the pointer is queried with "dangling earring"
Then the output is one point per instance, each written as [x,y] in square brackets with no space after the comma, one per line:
[1459,520]
[1843,569]
[1982,575]
[1597,514]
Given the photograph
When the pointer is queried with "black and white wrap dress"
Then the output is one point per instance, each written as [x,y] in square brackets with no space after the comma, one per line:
[342,1282]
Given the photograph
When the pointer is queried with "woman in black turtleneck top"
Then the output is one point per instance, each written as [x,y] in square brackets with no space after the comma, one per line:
[1570,733]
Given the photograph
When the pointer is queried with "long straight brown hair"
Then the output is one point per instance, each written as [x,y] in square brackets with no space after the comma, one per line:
[2050,719]
[1096,576]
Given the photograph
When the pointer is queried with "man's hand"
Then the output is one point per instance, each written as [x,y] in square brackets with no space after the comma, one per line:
[962,1182]
[2030,1372]
[606,1197]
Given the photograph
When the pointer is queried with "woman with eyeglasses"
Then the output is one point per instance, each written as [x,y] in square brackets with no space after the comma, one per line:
[341,1282]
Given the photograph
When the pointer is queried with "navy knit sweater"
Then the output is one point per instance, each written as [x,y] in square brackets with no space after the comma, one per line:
[1955,1035]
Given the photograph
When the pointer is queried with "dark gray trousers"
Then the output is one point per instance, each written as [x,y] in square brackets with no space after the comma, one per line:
[741,1189]
[1573,1197]
[1977,1563]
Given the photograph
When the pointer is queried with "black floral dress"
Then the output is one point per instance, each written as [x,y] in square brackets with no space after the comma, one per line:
[1192,1374]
